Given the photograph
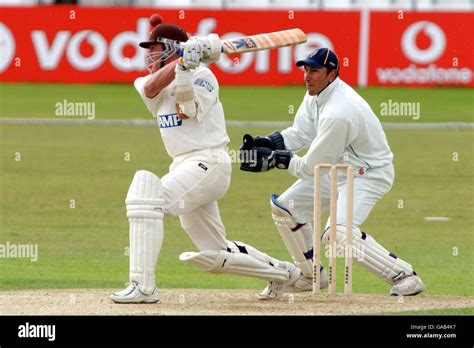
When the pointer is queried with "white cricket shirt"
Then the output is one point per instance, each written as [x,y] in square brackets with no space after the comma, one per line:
[206,130]
[338,126]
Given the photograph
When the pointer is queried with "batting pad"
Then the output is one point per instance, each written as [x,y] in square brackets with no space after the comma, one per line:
[296,237]
[145,204]
[221,261]
[370,254]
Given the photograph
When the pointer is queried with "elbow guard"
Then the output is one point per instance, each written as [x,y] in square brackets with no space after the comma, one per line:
[185,100]
[185,93]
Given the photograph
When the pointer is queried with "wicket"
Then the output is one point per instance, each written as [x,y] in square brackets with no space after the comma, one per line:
[332,229]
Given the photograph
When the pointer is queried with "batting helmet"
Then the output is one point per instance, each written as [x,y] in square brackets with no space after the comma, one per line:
[168,35]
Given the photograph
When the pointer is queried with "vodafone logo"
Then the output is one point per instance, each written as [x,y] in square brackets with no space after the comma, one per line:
[423,55]
[7,47]
[67,44]
[424,43]
[99,46]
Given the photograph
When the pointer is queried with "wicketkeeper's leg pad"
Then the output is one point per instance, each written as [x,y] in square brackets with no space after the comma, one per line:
[370,254]
[297,237]
[145,204]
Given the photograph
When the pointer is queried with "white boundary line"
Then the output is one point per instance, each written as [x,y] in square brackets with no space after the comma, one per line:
[242,124]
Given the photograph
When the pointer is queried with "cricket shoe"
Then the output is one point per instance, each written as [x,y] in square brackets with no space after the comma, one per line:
[275,289]
[306,284]
[407,285]
[133,294]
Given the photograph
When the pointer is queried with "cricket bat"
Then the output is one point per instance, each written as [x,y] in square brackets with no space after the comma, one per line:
[261,42]
[264,41]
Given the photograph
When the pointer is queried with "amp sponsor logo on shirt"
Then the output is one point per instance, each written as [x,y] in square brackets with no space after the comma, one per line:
[169,121]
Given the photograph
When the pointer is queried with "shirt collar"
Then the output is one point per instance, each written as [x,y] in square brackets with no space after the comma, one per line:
[323,97]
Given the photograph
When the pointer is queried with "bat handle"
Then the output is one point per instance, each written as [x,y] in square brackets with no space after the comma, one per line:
[180,59]
[180,52]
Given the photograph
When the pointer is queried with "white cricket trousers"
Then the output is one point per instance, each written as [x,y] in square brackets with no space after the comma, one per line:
[369,187]
[192,187]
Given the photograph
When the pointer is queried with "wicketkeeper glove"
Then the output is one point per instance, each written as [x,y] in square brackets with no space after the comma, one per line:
[261,159]
[272,141]
[282,158]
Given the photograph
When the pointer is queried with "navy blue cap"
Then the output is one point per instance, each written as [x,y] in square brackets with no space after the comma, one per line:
[319,58]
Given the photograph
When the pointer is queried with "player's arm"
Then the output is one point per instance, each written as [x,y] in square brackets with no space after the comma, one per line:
[186,106]
[159,80]
[255,150]
[293,138]
[327,147]
[196,94]
[299,135]
[151,103]
[206,89]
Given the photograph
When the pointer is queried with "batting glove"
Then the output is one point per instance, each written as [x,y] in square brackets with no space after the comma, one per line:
[193,52]
[212,47]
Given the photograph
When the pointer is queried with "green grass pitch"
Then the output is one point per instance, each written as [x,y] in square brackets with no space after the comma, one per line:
[84,246]
[241,103]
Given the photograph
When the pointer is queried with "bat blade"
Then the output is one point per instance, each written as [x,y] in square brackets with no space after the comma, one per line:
[264,41]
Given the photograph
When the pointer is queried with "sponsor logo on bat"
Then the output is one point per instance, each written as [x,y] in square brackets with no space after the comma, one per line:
[244,42]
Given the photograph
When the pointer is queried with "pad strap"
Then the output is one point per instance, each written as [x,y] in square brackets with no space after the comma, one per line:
[370,254]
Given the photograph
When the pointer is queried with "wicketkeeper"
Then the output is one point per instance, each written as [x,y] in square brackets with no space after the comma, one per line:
[337,126]
[184,98]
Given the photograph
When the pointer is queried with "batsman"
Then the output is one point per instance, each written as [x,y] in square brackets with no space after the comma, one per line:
[336,125]
[184,98]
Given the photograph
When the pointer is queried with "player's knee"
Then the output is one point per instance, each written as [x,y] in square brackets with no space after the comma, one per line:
[340,235]
[145,197]
[359,239]
[279,209]
[280,201]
